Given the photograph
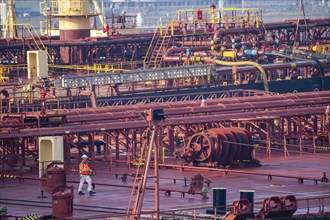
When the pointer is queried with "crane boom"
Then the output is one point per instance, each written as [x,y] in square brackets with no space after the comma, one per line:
[98,10]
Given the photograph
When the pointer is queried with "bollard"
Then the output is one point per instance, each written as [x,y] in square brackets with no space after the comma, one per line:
[62,202]
[219,201]
[56,176]
[219,198]
[249,195]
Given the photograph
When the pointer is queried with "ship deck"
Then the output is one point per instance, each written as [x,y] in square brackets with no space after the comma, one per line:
[114,194]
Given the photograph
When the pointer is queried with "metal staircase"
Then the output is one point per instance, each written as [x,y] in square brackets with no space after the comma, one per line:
[157,47]
[29,36]
[37,40]
[157,54]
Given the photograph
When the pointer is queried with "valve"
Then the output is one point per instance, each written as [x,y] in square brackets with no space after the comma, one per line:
[324,178]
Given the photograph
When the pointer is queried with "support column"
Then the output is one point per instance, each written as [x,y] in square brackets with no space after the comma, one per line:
[156,172]
[134,144]
[300,144]
[128,150]
[91,147]
[3,145]
[117,145]
[67,152]
[80,149]
[25,147]
[108,150]
[93,96]
[268,140]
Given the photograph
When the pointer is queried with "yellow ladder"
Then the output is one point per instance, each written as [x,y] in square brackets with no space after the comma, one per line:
[34,34]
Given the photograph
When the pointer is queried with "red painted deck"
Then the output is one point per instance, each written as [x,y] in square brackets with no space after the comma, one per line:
[115,199]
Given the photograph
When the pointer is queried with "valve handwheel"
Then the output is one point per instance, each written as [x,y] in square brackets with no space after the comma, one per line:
[202,146]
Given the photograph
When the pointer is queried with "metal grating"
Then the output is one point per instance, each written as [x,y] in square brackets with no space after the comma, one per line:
[134,76]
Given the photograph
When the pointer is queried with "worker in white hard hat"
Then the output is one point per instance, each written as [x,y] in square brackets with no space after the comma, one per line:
[85,172]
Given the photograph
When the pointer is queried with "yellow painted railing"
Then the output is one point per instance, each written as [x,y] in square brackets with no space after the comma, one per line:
[2,78]
[248,15]
[100,68]
[33,34]
[150,47]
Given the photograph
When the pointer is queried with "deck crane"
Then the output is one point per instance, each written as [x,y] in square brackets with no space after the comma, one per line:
[301,11]
[98,11]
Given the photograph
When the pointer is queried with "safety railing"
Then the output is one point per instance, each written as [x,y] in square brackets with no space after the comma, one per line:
[99,68]
[26,31]
[6,69]
[67,8]
[219,15]
[316,206]
[122,22]
[212,19]
[2,77]
[163,44]
[159,32]
[151,46]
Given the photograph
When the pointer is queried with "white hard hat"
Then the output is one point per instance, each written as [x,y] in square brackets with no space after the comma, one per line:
[84,156]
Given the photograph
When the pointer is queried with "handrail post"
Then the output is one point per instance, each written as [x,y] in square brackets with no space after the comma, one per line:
[307,206]
[160,27]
